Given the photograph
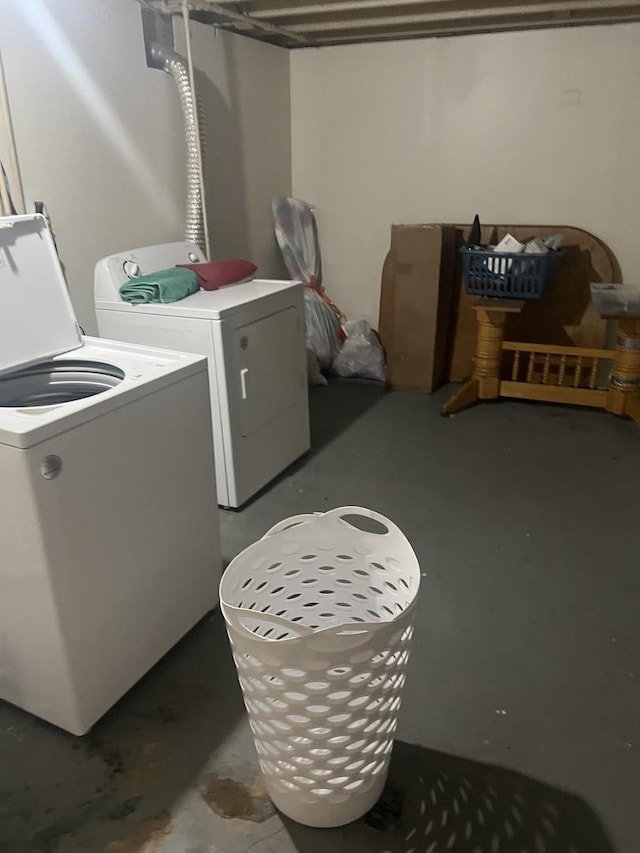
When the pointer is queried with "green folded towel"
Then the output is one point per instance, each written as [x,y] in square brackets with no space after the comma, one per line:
[164,286]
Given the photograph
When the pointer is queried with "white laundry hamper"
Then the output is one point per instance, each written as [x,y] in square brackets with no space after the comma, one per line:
[319,615]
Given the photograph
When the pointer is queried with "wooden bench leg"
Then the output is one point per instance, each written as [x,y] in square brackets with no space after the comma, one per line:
[488,357]
[623,397]
[464,396]
[485,380]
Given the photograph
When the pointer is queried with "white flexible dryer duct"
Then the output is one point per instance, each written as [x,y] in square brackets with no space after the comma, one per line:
[158,35]
[175,65]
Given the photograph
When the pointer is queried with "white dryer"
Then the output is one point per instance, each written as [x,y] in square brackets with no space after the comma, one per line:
[109,542]
[253,336]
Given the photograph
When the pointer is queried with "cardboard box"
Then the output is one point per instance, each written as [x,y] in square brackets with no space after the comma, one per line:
[427,322]
[415,305]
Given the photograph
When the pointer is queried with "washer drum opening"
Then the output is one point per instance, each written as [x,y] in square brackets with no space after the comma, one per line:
[53,382]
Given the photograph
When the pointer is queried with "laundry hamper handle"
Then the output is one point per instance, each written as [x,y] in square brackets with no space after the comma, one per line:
[293,521]
[338,514]
[391,530]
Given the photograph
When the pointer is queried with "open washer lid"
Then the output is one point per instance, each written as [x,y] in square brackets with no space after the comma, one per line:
[37,320]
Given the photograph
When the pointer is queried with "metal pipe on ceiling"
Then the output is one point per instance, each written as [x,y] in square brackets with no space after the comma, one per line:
[565,6]
[477,29]
[258,20]
[329,8]
[237,19]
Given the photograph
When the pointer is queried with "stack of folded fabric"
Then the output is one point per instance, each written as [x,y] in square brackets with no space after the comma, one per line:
[162,286]
[185,279]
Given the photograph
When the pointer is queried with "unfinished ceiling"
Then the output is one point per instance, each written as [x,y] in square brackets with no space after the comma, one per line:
[296,23]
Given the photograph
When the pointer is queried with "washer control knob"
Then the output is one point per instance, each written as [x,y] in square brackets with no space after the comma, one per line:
[131,269]
[51,467]
[194,258]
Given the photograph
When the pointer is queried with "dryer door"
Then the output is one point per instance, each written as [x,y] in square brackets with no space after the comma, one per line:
[267,359]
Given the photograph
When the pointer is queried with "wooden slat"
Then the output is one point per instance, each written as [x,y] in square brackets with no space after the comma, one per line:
[578,374]
[532,364]
[553,394]
[586,352]
[594,373]
[563,367]
[515,370]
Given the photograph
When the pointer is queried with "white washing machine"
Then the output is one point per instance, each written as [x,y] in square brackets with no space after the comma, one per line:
[109,542]
[253,336]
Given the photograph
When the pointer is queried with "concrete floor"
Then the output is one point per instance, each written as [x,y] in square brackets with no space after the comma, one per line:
[520,729]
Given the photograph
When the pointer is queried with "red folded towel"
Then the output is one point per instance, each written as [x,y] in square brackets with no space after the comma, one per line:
[218,273]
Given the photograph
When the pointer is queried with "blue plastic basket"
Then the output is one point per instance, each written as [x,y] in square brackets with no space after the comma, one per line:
[508,275]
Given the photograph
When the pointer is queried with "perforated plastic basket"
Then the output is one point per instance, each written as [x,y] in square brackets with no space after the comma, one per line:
[508,275]
[319,615]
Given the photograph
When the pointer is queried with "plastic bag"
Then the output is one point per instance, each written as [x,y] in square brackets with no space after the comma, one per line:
[361,354]
[297,236]
[314,374]
[323,332]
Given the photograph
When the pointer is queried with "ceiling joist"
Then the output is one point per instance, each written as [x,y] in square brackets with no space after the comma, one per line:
[301,23]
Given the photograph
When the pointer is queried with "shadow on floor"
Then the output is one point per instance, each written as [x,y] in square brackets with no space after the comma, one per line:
[453,804]
[332,410]
[62,792]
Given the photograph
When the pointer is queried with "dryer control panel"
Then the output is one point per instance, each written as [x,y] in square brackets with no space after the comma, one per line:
[114,271]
